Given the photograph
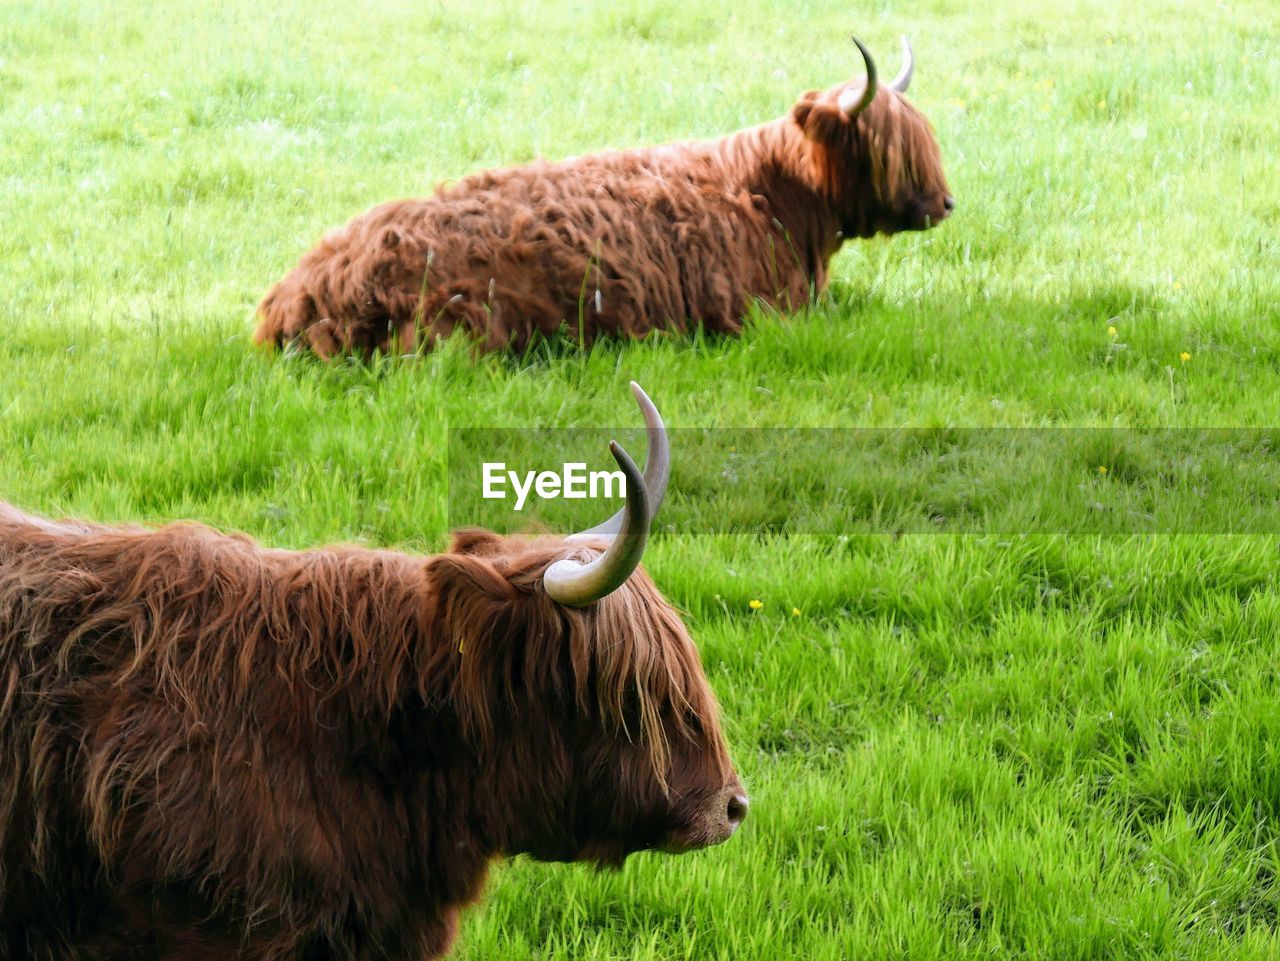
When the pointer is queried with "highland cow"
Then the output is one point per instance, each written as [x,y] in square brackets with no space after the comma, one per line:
[211,750]
[623,242]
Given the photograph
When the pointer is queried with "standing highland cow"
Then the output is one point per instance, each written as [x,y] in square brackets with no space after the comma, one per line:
[623,242]
[213,751]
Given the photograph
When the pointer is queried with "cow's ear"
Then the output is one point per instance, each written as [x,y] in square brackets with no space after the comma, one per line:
[461,581]
[475,609]
[473,606]
[803,106]
[820,121]
[474,540]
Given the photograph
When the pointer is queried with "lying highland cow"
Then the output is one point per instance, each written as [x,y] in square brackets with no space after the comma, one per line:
[623,242]
[210,750]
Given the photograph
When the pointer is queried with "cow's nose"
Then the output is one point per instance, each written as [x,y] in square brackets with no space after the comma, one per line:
[949,203]
[737,812]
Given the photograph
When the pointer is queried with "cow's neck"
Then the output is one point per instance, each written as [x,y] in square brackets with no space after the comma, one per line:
[774,161]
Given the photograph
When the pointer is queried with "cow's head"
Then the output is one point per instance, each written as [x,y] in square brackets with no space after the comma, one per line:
[873,154]
[580,690]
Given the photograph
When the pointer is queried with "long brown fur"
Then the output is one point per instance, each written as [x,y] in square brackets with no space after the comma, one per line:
[618,242]
[212,750]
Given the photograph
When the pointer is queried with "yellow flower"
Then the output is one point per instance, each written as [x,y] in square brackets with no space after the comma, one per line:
[1102,468]
[756,604]
[1112,331]
[1186,115]
[1185,356]
[795,612]
[1102,105]
[1177,285]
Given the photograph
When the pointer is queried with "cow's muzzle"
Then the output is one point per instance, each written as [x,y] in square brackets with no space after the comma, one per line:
[721,816]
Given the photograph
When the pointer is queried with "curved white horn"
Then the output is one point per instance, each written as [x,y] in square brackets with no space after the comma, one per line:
[903,79]
[577,584]
[657,468]
[853,102]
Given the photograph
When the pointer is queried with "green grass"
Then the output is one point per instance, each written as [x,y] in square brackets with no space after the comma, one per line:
[1036,745]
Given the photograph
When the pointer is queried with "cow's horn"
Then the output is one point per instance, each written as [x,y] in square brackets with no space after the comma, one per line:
[851,101]
[576,584]
[903,79]
[657,468]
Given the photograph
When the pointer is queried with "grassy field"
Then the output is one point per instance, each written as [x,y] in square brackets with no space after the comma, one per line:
[958,746]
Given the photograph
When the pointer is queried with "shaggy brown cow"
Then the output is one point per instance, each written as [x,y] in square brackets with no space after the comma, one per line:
[623,242]
[210,750]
